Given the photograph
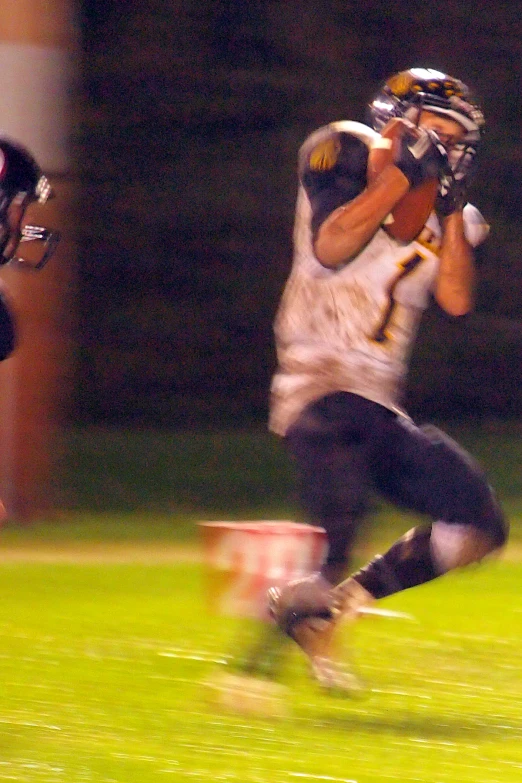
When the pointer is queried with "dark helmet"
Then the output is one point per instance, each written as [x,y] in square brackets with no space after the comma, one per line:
[407,93]
[19,172]
[21,182]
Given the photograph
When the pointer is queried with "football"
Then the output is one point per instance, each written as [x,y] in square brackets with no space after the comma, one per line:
[409,215]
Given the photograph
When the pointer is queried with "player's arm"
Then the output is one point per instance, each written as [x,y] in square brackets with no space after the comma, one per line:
[345,232]
[455,284]
[350,227]
[463,229]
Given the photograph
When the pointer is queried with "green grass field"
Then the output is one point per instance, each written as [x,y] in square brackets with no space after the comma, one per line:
[104,668]
[106,645]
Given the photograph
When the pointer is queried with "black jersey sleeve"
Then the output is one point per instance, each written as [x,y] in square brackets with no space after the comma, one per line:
[333,172]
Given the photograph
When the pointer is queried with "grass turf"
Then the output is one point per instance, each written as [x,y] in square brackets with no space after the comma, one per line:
[103,671]
[106,643]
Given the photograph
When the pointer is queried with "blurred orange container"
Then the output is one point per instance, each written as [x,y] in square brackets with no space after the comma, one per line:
[243,559]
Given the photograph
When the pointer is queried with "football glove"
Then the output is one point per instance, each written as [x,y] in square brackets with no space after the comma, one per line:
[452,196]
[420,156]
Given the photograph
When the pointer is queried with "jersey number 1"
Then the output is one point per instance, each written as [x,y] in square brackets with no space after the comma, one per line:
[406,267]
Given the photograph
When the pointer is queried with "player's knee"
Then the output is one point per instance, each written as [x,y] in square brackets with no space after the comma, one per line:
[458,545]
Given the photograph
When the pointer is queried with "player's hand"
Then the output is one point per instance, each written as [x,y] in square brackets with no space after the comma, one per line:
[420,155]
[452,196]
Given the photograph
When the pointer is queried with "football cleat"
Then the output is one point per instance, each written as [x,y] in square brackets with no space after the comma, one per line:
[308,611]
[308,597]
[336,678]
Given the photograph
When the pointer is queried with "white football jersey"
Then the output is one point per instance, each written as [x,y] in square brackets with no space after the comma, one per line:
[352,328]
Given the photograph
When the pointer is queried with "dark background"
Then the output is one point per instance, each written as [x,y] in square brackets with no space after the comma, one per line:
[190,118]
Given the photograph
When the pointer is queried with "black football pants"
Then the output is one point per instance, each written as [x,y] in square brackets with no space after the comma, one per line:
[346,447]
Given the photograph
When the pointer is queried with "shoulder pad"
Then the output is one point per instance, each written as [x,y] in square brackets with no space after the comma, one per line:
[325,154]
[322,148]
[363,132]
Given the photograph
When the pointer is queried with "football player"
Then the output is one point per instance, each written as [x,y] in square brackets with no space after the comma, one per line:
[344,332]
[21,184]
